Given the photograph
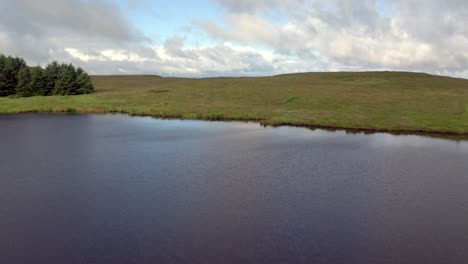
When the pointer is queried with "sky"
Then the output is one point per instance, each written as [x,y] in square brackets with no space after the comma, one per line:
[206,38]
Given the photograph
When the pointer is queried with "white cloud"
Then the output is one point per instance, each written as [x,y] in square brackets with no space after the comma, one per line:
[257,37]
[419,35]
[225,59]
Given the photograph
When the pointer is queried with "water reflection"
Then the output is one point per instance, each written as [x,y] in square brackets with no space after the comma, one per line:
[119,189]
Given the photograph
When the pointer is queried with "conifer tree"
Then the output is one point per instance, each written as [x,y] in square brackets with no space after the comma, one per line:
[51,73]
[57,79]
[38,81]
[84,82]
[10,72]
[2,75]
[66,83]
[23,87]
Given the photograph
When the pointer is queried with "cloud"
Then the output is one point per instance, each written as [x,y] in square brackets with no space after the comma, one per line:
[178,60]
[41,30]
[249,6]
[409,35]
[94,18]
[254,37]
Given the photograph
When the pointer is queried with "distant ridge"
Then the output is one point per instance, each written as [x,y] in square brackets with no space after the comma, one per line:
[391,73]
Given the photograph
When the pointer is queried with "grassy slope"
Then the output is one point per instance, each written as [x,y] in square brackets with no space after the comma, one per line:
[371,100]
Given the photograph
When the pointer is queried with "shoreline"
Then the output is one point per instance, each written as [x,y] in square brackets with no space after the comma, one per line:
[366,102]
[351,130]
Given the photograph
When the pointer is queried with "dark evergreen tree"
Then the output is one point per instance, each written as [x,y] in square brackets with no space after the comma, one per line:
[84,82]
[51,73]
[57,79]
[2,75]
[9,74]
[23,87]
[39,81]
[66,83]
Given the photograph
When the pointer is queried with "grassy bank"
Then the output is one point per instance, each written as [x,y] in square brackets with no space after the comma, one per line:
[390,101]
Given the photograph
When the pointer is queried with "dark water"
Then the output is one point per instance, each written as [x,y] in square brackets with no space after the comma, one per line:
[116,189]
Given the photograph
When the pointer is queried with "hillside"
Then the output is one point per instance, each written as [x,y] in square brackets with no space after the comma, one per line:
[396,101]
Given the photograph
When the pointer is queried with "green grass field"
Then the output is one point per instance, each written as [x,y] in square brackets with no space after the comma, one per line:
[387,101]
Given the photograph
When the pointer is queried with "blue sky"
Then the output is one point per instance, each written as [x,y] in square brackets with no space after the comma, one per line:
[160,20]
[239,37]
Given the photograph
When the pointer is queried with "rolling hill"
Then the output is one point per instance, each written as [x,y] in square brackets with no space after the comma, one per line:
[383,101]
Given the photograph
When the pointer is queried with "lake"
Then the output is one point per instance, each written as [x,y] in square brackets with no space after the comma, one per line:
[119,189]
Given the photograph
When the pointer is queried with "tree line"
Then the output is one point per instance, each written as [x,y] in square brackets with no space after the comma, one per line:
[18,79]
